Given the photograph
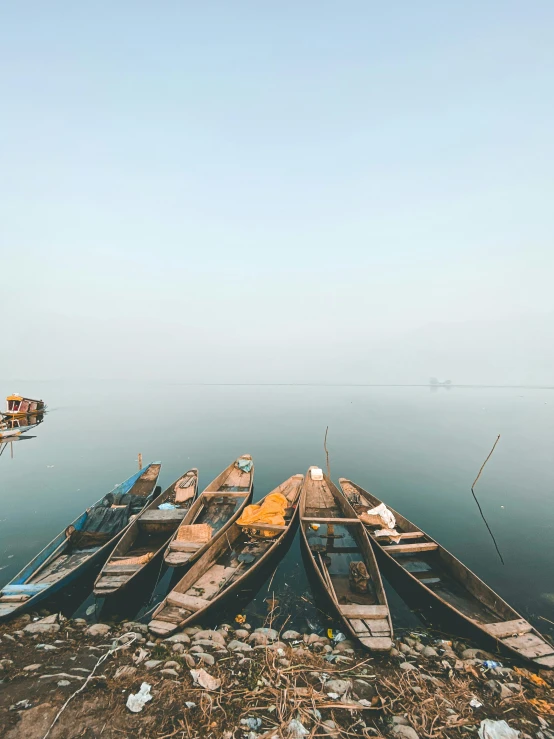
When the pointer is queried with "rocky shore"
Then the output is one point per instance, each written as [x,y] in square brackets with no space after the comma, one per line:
[63,679]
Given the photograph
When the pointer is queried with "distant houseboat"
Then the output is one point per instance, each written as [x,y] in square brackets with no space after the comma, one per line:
[17,406]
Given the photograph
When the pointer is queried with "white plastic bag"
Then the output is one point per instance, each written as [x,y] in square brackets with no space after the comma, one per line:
[384,514]
[490,729]
[136,702]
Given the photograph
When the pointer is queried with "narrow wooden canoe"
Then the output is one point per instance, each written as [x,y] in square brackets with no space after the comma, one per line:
[218,507]
[339,550]
[83,544]
[142,546]
[423,565]
[227,567]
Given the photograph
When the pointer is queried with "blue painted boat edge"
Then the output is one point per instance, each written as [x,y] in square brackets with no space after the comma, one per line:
[49,549]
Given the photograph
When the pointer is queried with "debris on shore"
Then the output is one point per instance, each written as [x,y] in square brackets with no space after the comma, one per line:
[65,678]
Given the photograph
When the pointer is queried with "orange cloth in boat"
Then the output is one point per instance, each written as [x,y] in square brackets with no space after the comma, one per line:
[271,511]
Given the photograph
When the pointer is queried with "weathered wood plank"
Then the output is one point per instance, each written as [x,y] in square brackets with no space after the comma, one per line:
[377,624]
[503,629]
[262,526]
[190,602]
[377,643]
[546,661]
[359,627]
[337,520]
[529,645]
[425,546]
[160,627]
[364,612]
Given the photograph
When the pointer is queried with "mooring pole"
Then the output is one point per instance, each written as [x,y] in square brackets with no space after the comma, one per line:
[140,460]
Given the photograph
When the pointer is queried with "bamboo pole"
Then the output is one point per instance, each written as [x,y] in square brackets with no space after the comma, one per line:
[140,460]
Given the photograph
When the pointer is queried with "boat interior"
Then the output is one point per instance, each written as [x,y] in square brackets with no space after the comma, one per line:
[223,564]
[81,540]
[214,508]
[451,581]
[346,563]
[148,535]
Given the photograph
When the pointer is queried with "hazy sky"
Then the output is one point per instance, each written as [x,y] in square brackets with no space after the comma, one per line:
[292,191]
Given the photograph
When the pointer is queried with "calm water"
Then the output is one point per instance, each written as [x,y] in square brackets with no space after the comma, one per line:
[415,448]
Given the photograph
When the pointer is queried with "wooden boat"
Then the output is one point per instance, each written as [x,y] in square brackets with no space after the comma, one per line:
[17,405]
[213,512]
[8,431]
[339,550]
[142,546]
[81,545]
[227,566]
[425,567]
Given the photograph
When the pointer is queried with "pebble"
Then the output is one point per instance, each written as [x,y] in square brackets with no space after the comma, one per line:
[407,666]
[32,668]
[80,622]
[172,665]
[169,673]
[258,639]
[410,641]
[404,648]
[498,689]
[41,628]
[189,659]
[476,654]
[46,647]
[337,686]
[363,690]
[406,732]
[400,721]
[97,629]
[178,648]
[284,662]
[330,728]
[151,664]
[245,661]
[419,647]
[291,635]
[9,637]
[394,652]
[135,626]
[6,664]
[429,652]
[238,646]
[191,630]
[63,683]
[208,644]
[271,634]
[207,659]
[209,635]
[242,634]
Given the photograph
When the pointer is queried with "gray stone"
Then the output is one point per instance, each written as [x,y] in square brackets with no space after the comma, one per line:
[400,721]
[169,673]
[498,689]
[404,648]
[207,659]
[337,686]
[283,662]
[178,648]
[208,644]
[407,666]
[151,664]
[245,661]
[191,630]
[258,639]
[172,665]
[330,728]
[291,635]
[209,635]
[9,637]
[419,647]
[38,627]
[429,652]
[477,654]
[271,634]
[406,732]
[46,647]
[196,649]
[363,690]
[410,641]
[32,668]
[189,660]
[135,626]
[99,629]
[238,646]
[79,622]
[63,683]
[394,652]
[242,634]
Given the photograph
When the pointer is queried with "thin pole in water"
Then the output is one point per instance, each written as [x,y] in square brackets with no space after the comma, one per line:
[475,497]
[140,460]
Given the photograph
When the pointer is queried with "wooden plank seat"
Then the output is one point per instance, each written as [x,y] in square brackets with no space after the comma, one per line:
[529,645]
[407,548]
[377,643]
[261,526]
[353,610]
[502,629]
[546,661]
[189,602]
[174,515]
[406,535]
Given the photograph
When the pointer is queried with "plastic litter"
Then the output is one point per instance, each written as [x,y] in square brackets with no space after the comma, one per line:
[384,514]
[190,704]
[316,473]
[339,636]
[297,729]
[252,723]
[90,610]
[490,663]
[474,703]
[240,619]
[166,507]
[491,729]
[205,680]
[334,696]
[314,526]
[137,701]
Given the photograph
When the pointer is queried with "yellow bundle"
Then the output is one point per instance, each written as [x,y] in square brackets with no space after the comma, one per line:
[271,511]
